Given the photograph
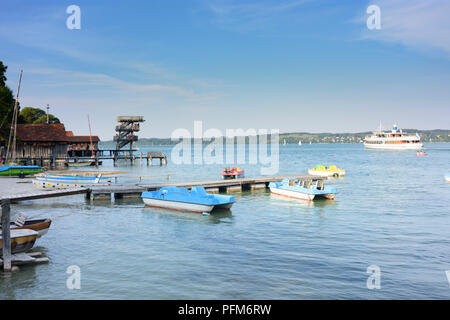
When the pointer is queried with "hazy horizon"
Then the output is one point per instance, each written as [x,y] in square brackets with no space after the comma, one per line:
[407,130]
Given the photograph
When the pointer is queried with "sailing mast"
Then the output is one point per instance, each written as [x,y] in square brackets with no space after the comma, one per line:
[90,137]
[13,132]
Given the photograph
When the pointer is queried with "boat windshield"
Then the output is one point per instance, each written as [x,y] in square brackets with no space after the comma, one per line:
[319,184]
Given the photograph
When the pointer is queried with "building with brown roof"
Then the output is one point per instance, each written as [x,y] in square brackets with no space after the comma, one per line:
[80,146]
[41,140]
[51,141]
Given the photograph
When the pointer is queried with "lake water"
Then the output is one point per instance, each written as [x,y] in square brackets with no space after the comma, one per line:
[392,211]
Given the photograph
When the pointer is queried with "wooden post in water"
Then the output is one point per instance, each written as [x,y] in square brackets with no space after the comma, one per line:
[6,235]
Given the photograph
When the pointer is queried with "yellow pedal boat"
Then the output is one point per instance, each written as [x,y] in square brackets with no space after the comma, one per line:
[331,171]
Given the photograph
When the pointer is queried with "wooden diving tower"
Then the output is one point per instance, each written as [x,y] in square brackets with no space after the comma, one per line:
[128,125]
[126,129]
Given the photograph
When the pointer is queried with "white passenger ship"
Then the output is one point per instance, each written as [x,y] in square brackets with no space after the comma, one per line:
[395,139]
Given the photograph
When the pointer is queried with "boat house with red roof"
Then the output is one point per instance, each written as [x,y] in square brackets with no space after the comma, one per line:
[51,141]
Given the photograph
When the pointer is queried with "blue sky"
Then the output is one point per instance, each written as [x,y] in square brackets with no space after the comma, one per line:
[294,65]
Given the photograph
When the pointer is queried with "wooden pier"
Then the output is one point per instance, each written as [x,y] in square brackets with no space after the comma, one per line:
[215,186]
[99,155]
[8,259]
[19,259]
[119,192]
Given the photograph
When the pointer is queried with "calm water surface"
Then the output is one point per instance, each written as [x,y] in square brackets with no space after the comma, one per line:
[392,211]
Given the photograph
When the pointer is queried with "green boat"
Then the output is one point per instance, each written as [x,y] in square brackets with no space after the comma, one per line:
[19,170]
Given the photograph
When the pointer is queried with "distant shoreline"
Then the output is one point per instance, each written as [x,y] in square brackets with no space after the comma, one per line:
[207,143]
[427,136]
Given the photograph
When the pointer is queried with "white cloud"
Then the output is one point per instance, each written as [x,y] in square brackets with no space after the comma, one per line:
[415,23]
[58,78]
[249,15]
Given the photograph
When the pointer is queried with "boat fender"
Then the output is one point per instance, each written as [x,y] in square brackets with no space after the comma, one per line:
[205,214]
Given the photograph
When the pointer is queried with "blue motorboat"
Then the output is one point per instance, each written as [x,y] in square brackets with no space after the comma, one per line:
[304,189]
[183,199]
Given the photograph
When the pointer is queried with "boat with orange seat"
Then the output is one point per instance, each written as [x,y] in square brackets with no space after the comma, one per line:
[233,173]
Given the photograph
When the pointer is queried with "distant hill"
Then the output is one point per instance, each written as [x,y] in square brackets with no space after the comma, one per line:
[438,135]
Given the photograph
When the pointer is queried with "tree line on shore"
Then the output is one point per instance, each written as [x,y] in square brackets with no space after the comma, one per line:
[26,115]
[438,135]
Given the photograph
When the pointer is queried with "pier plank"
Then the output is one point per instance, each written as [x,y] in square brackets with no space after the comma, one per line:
[125,190]
[19,259]
[233,182]
[6,235]
[43,194]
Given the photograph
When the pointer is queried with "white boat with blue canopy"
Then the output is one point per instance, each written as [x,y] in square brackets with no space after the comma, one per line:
[447,177]
[304,189]
[60,181]
[183,199]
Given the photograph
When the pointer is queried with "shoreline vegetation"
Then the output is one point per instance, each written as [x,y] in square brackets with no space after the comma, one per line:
[437,135]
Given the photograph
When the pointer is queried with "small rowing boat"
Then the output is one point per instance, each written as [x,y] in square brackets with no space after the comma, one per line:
[182,199]
[233,173]
[60,181]
[89,163]
[331,171]
[21,240]
[39,225]
[304,189]
[22,222]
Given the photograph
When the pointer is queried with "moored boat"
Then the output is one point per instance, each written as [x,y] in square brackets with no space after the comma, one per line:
[19,170]
[304,189]
[194,200]
[40,225]
[60,181]
[89,163]
[447,177]
[331,171]
[21,240]
[233,173]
